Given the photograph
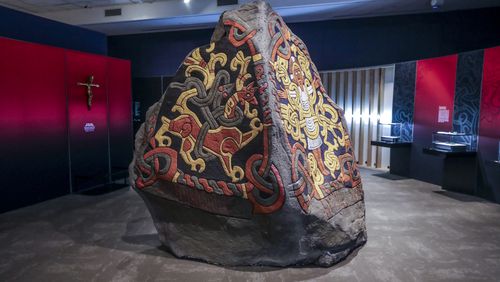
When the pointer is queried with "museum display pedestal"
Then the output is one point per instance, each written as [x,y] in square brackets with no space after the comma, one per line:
[492,174]
[400,156]
[493,163]
[459,170]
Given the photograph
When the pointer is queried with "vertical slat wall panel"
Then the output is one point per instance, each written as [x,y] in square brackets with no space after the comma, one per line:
[374,88]
[365,121]
[348,101]
[326,80]
[340,93]
[362,95]
[372,126]
[387,88]
[374,108]
[356,110]
[345,94]
[323,76]
[337,87]
[331,89]
[380,89]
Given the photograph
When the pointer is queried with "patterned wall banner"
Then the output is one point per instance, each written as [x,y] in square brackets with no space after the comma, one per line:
[468,94]
[404,98]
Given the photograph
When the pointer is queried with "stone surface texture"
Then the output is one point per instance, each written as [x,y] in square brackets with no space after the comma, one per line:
[245,160]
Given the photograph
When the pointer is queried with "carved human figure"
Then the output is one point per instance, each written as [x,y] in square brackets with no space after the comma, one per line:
[89,84]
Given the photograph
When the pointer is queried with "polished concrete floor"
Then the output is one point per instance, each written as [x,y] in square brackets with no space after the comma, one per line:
[416,232]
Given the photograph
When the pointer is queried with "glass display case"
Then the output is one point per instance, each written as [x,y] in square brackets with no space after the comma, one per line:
[451,141]
[389,132]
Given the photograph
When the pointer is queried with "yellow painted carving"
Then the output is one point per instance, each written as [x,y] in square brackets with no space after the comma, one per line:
[316,174]
[309,116]
[196,63]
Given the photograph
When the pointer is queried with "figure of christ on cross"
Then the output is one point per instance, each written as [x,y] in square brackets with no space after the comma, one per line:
[89,84]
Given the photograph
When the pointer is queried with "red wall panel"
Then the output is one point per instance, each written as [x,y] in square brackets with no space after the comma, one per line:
[489,123]
[34,151]
[434,88]
[32,79]
[43,113]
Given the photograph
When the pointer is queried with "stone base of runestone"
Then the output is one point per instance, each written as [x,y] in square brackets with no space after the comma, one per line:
[282,239]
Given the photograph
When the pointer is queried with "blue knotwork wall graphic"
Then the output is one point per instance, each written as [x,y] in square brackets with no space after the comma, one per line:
[468,94]
[403,99]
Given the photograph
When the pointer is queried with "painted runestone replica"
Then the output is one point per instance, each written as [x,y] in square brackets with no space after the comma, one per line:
[245,160]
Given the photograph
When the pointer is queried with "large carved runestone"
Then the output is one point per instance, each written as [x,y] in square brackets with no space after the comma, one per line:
[245,160]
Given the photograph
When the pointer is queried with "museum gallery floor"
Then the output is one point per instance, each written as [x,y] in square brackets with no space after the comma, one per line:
[417,232]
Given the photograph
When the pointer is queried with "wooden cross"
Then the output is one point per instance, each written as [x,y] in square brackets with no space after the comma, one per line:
[89,84]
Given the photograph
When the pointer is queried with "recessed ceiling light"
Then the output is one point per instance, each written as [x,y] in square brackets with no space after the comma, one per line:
[187,1]
[436,4]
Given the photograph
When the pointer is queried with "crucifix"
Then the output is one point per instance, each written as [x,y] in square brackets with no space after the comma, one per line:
[89,84]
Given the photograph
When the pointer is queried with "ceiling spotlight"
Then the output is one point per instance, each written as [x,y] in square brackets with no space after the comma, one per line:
[187,1]
[436,4]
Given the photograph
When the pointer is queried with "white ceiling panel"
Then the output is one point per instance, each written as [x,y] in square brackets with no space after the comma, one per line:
[139,16]
[44,6]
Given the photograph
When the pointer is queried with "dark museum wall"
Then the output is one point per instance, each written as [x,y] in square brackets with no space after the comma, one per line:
[467,84]
[27,27]
[489,125]
[121,137]
[352,43]
[146,91]
[335,44]
[46,149]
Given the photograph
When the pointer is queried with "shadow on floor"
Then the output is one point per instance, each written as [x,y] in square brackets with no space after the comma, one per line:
[313,270]
[105,189]
[150,240]
[460,197]
[308,271]
[389,176]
